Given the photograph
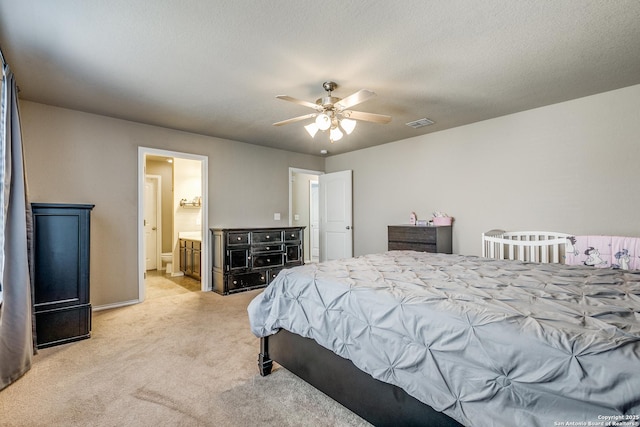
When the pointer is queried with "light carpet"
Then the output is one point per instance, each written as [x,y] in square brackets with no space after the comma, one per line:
[178,359]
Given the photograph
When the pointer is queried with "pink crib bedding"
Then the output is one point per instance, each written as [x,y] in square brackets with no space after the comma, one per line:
[604,252]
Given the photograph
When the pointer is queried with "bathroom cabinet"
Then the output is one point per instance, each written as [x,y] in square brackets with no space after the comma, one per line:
[61,240]
[250,258]
[190,257]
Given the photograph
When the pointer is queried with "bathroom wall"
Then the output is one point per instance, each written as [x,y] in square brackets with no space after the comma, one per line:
[300,206]
[165,170]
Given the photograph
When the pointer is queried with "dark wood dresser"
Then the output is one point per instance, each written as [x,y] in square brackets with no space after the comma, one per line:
[61,272]
[417,238]
[250,258]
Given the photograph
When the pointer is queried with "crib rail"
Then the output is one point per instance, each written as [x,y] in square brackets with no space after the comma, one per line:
[531,246]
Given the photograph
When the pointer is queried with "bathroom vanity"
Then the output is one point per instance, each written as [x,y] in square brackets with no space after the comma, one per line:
[190,254]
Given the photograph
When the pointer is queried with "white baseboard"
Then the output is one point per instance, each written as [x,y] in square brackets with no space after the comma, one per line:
[115,305]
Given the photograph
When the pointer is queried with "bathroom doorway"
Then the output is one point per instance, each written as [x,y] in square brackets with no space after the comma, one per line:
[179,182]
[304,210]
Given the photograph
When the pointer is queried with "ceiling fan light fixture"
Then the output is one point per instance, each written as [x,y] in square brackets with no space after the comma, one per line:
[323,121]
[335,134]
[334,114]
[312,129]
[348,125]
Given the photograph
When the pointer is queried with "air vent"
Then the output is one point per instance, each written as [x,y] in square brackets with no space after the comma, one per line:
[420,123]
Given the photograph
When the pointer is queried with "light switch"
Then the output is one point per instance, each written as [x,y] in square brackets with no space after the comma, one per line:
[296,217]
[276,216]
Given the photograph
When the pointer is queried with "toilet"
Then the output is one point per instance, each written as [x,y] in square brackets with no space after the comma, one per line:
[167,258]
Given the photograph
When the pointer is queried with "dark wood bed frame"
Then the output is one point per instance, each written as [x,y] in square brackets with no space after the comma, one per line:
[379,403]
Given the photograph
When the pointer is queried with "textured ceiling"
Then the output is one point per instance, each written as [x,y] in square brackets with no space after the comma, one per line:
[215,67]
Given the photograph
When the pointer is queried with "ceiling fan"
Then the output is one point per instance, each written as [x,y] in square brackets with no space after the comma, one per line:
[333,113]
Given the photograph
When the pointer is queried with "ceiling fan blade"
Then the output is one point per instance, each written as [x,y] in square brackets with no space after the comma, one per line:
[367,117]
[300,102]
[353,99]
[295,119]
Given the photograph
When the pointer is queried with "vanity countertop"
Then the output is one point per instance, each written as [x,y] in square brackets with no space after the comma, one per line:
[190,235]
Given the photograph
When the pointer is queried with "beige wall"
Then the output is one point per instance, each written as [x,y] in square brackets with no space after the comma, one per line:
[567,167]
[570,167]
[74,157]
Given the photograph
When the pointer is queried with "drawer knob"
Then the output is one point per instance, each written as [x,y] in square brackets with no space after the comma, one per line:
[268,237]
[268,248]
[239,238]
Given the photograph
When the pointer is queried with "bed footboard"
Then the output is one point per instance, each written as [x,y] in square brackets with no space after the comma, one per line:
[530,246]
[379,403]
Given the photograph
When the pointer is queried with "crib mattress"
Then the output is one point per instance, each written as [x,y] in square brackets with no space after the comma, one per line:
[488,342]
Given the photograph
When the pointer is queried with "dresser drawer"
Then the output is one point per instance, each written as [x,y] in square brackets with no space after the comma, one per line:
[267,248]
[412,246]
[238,238]
[268,260]
[273,273]
[258,237]
[413,234]
[292,235]
[247,280]
[63,325]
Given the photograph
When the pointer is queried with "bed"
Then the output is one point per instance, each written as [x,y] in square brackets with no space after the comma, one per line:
[413,338]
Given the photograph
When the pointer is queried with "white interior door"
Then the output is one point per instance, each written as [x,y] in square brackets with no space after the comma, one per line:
[336,213]
[314,221]
[151,222]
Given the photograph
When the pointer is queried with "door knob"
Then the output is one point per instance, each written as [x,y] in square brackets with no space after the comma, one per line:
[154,228]
[348,227]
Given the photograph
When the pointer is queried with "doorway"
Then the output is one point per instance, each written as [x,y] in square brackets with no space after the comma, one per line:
[198,216]
[314,222]
[322,203]
[152,221]
[303,209]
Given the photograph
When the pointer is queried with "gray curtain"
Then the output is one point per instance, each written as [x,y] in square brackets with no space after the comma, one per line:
[16,323]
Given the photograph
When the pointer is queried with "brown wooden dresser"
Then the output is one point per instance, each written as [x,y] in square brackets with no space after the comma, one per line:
[418,238]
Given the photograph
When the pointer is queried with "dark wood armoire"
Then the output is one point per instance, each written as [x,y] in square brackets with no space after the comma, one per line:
[61,243]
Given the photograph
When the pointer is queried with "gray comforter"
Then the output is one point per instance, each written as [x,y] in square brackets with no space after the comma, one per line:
[488,342]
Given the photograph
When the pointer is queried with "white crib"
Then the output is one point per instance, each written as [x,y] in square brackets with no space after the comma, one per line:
[532,246]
